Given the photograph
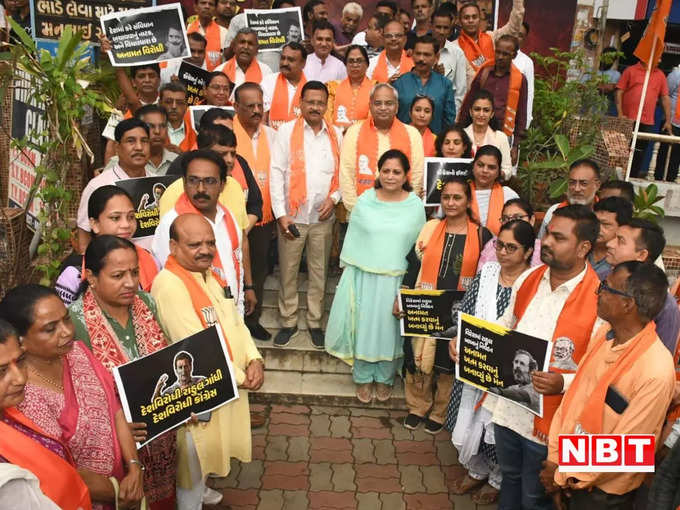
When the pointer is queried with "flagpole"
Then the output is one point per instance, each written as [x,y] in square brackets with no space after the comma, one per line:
[639,114]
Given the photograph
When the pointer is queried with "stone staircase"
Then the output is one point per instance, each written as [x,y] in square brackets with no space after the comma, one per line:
[299,373]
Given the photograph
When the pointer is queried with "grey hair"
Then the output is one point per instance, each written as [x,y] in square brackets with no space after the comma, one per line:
[353,8]
[533,364]
[246,31]
[379,86]
[647,285]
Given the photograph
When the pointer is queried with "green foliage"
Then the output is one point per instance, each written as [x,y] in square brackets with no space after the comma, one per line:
[567,111]
[644,204]
[65,87]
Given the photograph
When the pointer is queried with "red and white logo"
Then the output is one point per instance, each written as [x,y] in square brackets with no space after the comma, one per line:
[606,453]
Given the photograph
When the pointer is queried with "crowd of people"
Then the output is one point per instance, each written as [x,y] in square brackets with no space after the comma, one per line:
[318,166]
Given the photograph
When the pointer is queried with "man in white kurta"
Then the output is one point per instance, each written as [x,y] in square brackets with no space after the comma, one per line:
[205,448]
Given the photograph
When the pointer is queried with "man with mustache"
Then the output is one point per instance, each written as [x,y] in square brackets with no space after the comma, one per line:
[393,61]
[190,297]
[132,147]
[282,90]
[553,301]
[271,58]
[582,185]
[321,65]
[215,35]
[422,81]
[204,175]
[173,97]
[174,44]
[243,66]
[304,191]
[524,392]
[254,140]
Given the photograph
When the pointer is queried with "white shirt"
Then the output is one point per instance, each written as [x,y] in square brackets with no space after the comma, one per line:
[454,62]
[499,140]
[539,320]
[331,69]
[114,119]
[161,169]
[161,248]
[484,195]
[318,174]
[176,135]
[360,38]
[269,84]
[526,66]
[172,69]
[19,488]
[224,35]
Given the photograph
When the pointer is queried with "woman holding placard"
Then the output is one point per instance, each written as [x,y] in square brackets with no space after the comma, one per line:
[71,397]
[444,257]
[118,322]
[469,412]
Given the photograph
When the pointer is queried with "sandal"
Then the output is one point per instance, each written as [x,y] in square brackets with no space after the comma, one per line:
[365,393]
[383,392]
[487,495]
[465,485]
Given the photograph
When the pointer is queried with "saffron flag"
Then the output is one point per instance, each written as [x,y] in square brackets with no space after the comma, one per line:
[656,29]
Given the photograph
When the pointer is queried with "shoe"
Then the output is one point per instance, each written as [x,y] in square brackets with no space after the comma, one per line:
[258,331]
[257,420]
[318,338]
[412,421]
[432,427]
[365,393]
[283,337]
[383,392]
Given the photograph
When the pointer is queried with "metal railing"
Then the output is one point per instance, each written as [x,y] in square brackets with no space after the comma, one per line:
[658,139]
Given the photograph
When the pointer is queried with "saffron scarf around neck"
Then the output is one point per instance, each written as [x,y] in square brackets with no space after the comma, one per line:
[259,164]
[428,143]
[213,49]
[280,110]
[575,322]
[297,194]
[351,104]
[199,299]
[479,52]
[434,250]
[593,411]
[147,269]
[512,98]
[58,478]
[253,73]
[381,74]
[184,206]
[496,202]
[367,151]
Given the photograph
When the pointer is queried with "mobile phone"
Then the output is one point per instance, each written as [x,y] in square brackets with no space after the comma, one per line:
[294,230]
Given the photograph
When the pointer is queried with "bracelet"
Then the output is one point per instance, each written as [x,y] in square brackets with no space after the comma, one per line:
[135,461]
[248,287]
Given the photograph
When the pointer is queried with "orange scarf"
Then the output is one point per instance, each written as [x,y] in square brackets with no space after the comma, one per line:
[258,163]
[496,201]
[434,250]
[237,173]
[184,206]
[428,143]
[253,73]
[199,298]
[58,477]
[476,53]
[297,194]
[213,50]
[593,410]
[514,90]
[575,322]
[351,104]
[367,147]
[147,268]
[279,111]
[380,72]
[676,116]
[189,133]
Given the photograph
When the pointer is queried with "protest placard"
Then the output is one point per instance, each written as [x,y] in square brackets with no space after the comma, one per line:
[194,79]
[162,389]
[437,169]
[500,360]
[146,36]
[146,194]
[428,313]
[51,17]
[198,111]
[275,27]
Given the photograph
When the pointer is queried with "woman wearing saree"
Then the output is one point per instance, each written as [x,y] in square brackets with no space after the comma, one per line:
[118,323]
[71,396]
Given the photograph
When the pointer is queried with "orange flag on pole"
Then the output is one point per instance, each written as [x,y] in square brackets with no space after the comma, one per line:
[656,29]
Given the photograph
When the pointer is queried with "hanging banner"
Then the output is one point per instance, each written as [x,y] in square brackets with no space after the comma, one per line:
[438,169]
[275,27]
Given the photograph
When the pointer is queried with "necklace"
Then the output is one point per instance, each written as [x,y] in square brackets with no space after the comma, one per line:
[46,379]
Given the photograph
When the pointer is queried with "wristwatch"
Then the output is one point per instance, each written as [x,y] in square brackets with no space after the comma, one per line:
[135,461]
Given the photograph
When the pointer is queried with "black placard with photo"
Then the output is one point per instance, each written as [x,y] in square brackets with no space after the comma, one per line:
[437,169]
[428,313]
[275,27]
[146,194]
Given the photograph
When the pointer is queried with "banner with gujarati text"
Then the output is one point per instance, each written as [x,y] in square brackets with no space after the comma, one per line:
[437,170]
[146,194]
[275,27]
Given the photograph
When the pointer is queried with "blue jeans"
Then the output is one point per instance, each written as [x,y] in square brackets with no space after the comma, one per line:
[520,462]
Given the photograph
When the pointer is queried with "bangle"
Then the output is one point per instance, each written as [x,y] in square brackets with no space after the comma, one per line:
[135,461]
[248,287]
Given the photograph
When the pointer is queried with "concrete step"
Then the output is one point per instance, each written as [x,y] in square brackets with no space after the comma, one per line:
[285,387]
[301,356]
[271,319]
[271,300]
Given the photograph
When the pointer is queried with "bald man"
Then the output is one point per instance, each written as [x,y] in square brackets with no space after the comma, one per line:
[186,281]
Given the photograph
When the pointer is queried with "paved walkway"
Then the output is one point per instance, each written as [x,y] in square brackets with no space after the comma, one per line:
[344,458]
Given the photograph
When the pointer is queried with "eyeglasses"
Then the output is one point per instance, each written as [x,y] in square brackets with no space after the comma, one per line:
[506,219]
[604,287]
[195,182]
[508,247]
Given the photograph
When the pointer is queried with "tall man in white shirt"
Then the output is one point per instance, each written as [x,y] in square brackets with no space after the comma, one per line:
[282,90]
[304,191]
[321,65]
[526,66]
